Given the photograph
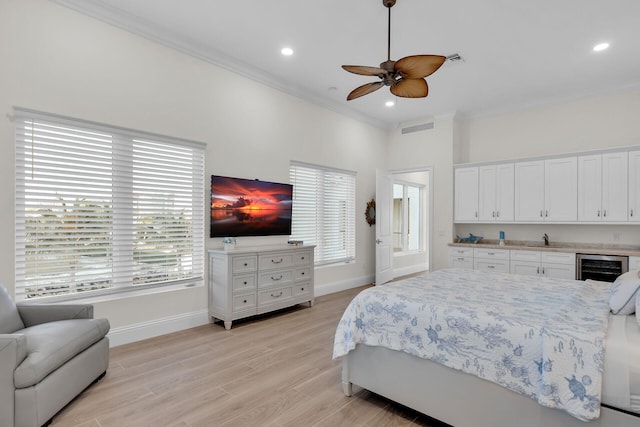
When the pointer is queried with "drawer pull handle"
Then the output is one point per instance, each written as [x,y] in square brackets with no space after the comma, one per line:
[302,258]
[301,289]
[245,264]
[277,262]
[245,282]
[245,301]
[302,274]
[277,278]
[277,296]
[491,266]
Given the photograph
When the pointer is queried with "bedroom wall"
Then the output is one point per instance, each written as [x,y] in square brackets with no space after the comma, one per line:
[597,122]
[433,148]
[59,61]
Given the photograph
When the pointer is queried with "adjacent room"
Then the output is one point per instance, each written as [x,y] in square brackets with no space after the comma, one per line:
[371,212]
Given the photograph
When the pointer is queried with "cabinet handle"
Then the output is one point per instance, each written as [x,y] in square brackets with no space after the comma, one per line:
[301,289]
[302,258]
[460,259]
[598,213]
[277,296]
[491,253]
[476,214]
[277,262]
[245,301]
[493,214]
[491,266]
[543,271]
[277,278]
[245,264]
[631,212]
[498,214]
[604,213]
[541,214]
[302,273]
[245,282]
[538,270]
[546,213]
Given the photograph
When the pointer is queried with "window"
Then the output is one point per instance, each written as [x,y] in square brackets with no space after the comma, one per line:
[102,209]
[324,211]
[406,217]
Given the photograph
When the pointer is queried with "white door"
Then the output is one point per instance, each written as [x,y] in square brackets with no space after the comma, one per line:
[384,218]
[529,191]
[466,194]
[634,186]
[561,189]
[614,186]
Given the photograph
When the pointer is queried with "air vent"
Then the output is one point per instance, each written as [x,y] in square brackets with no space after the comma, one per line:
[417,128]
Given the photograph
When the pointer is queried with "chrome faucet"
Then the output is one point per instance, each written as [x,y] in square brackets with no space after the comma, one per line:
[546,239]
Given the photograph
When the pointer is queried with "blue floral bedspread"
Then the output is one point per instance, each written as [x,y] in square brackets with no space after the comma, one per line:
[544,338]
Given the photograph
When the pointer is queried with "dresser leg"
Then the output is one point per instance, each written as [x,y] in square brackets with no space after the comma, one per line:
[311,303]
[227,325]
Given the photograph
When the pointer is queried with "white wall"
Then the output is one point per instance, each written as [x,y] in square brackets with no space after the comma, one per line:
[430,148]
[59,61]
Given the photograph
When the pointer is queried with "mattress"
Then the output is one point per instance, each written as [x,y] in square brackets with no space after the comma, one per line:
[621,379]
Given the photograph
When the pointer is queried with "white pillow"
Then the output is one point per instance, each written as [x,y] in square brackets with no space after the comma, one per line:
[622,299]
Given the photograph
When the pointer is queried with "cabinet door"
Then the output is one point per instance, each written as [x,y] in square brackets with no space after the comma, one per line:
[466,194]
[634,186]
[487,195]
[527,268]
[614,186]
[529,191]
[590,188]
[504,192]
[561,189]
[559,271]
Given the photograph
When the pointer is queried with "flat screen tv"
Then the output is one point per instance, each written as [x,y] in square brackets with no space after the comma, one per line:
[247,207]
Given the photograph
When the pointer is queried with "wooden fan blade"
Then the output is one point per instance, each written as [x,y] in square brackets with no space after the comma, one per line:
[364,70]
[364,90]
[411,88]
[418,66]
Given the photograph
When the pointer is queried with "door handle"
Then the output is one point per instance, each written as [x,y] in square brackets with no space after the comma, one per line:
[378,241]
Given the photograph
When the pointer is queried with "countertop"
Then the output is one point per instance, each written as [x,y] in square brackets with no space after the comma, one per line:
[581,248]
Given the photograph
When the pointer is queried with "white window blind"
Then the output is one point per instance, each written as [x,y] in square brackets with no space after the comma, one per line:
[324,211]
[101,209]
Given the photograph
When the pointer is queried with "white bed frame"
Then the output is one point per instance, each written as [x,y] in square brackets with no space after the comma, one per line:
[453,396]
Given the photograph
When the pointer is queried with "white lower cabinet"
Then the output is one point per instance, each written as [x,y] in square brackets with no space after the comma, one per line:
[485,259]
[461,257]
[558,265]
[634,263]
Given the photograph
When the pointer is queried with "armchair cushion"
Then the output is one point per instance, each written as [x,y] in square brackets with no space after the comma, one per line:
[10,320]
[50,345]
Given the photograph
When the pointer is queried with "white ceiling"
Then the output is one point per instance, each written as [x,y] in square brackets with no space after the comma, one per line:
[516,54]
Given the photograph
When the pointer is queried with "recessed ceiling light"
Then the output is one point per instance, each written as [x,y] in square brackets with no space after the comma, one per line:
[390,103]
[600,47]
[286,51]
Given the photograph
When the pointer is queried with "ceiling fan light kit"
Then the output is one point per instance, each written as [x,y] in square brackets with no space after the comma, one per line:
[405,77]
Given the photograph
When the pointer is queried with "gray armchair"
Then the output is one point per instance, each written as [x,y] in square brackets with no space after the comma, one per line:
[48,355]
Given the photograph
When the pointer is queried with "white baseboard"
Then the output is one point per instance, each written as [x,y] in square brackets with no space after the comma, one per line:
[157,327]
[330,288]
[411,269]
[153,328]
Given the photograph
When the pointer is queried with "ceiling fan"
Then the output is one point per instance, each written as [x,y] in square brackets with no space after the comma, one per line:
[406,76]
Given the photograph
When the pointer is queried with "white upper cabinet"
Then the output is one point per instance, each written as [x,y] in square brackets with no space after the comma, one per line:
[602,187]
[529,191]
[496,192]
[546,190]
[634,186]
[561,189]
[466,194]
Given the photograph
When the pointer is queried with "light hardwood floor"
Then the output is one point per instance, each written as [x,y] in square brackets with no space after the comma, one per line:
[275,370]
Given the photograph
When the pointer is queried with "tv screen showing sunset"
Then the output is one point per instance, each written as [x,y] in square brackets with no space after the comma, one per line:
[245,207]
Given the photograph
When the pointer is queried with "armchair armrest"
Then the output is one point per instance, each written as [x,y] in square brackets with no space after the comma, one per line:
[35,314]
[13,350]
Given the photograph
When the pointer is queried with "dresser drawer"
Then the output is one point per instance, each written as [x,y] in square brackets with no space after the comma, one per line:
[302,273]
[302,289]
[278,260]
[499,266]
[244,264]
[244,283]
[273,278]
[274,295]
[243,302]
[303,258]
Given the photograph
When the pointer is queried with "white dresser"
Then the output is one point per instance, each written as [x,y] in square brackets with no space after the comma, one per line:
[253,280]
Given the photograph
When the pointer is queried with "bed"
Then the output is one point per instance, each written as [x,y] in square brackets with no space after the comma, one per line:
[473,348]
